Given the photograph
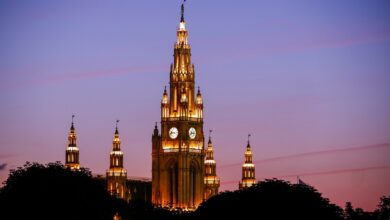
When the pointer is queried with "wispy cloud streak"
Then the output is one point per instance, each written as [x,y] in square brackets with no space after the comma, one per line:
[314,153]
[61,78]
[320,173]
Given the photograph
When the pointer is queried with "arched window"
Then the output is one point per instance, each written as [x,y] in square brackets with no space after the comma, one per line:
[193,183]
[172,182]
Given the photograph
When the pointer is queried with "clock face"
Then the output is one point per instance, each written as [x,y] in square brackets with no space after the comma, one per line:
[192,133]
[173,132]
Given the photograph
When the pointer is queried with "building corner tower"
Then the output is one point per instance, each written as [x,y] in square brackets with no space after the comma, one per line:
[72,151]
[178,152]
[116,176]
[211,181]
[248,169]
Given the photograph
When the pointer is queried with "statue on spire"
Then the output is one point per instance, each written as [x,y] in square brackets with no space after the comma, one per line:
[210,135]
[116,127]
[182,12]
[72,126]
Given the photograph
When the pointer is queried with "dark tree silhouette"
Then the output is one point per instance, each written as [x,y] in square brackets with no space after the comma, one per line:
[51,191]
[271,199]
[349,211]
[383,211]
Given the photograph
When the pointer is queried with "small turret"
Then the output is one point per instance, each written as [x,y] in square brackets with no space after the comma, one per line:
[116,142]
[164,104]
[116,175]
[155,131]
[199,100]
[211,180]
[164,99]
[72,151]
[199,104]
[248,168]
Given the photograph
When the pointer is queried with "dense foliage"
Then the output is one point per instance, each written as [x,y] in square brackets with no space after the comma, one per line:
[381,213]
[51,191]
[271,199]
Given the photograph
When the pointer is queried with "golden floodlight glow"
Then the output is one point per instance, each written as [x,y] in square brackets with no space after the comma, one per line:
[182,26]
[248,169]
[178,160]
[248,165]
[116,175]
[211,180]
[72,151]
[116,153]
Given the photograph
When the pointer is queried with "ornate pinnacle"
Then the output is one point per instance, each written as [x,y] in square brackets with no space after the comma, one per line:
[182,13]
[210,136]
[116,127]
[72,127]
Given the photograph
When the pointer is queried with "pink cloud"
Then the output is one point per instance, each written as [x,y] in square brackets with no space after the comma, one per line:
[44,80]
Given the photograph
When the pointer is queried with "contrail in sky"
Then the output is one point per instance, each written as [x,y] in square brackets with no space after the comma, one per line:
[328,172]
[314,153]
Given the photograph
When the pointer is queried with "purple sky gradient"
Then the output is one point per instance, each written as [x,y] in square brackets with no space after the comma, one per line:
[305,78]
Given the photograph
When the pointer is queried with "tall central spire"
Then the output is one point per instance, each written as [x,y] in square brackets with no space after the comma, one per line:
[178,154]
[182,79]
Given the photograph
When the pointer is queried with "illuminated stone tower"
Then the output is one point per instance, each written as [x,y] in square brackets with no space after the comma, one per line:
[116,175]
[248,169]
[178,153]
[211,181]
[72,151]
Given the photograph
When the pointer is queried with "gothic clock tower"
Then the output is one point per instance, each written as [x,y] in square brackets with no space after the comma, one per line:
[178,152]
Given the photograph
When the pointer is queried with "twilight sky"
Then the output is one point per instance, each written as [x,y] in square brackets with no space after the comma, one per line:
[310,80]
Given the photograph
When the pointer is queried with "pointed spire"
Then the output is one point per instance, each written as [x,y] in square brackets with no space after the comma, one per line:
[210,136]
[155,131]
[72,135]
[72,126]
[199,97]
[164,99]
[116,142]
[182,12]
[182,22]
[248,146]
[116,127]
